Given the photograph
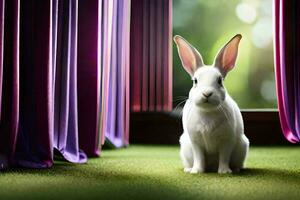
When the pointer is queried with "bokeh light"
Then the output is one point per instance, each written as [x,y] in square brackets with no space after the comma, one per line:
[262,33]
[268,90]
[246,12]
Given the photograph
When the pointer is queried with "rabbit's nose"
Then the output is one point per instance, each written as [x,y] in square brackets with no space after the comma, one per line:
[207,94]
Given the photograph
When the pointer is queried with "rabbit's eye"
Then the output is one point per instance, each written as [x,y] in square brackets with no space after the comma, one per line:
[220,80]
[195,81]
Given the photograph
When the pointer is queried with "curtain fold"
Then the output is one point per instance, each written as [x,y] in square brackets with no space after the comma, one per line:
[151,55]
[287,62]
[107,9]
[116,72]
[89,75]
[35,126]
[10,81]
[65,83]
[25,131]
[2,8]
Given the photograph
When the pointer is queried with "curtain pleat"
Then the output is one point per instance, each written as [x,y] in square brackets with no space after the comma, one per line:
[25,127]
[65,95]
[116,67]
[2,8]
[286,54]
[34,146]
[136,56]
[167,64]
[145,57]
[126,58]
[151,55]
[89,75]
[106,60]
[10,82]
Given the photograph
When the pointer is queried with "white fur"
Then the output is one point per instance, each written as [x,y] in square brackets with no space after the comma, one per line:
[213,138]
[213,131]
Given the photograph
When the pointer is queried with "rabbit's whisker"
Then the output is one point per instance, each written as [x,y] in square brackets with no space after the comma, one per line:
[179,104]
[180,98]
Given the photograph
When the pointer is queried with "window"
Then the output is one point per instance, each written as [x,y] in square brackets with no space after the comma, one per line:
[208,25]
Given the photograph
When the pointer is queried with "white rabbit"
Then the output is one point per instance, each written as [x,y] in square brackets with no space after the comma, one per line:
[213,131]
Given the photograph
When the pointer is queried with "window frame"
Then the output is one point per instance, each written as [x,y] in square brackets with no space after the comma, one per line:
[262,127]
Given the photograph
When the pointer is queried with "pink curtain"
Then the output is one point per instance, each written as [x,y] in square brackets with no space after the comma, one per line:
[151,55]
[287,66]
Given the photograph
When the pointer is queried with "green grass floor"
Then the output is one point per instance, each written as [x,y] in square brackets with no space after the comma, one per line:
[155,172]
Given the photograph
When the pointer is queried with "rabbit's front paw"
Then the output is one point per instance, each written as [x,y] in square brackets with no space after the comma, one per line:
[196,170]
[224,170]
[187,169]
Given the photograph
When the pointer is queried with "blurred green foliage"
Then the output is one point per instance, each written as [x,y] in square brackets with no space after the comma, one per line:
[208,25]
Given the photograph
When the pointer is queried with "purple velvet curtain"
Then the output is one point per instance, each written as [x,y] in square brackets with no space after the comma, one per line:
[116,26]
[89,75]
[151,55]
[287,66]
[26,111]
[64,79]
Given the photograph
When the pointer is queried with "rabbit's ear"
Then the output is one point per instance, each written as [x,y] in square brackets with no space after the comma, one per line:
[226,58]
[190,57]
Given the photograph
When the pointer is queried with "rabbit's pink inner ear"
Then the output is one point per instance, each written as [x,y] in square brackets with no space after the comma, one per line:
[227,56]
[187,55]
